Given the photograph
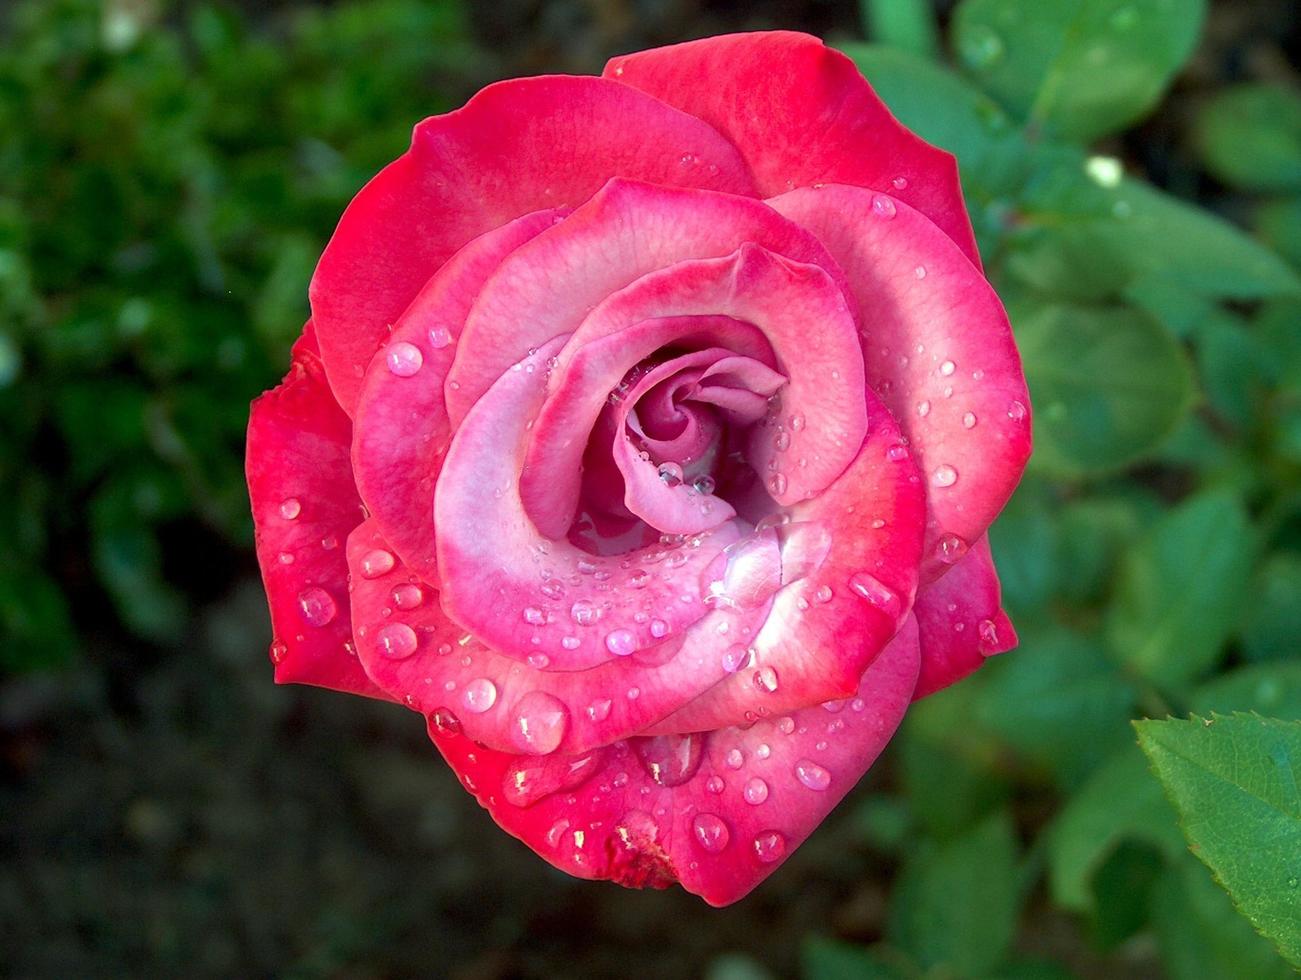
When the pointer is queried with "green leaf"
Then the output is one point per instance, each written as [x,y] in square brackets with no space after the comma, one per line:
[905,24]
[1272,628]
[1278,223]
[1077,68]
[1108,385]
[1119,803]
[1027,544]
[1058,701]
[830,959]
[956,903]
[1121,887]
[1084,230]
[1094,533]
[34,620]
[1200,933]
[1233,365]
[1234,780]
[1181,589]
[1250,136]
[1269,689]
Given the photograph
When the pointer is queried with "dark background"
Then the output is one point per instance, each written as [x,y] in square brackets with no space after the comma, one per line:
[168,175]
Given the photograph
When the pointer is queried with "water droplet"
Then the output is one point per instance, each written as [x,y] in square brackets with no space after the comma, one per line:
[376,563]
[711,832]
[969,420]
[765,679]
[755,791]
[762,750]
[947,368]
[583,612]
[735,657]
[558,829]
[920,272]
[445,723]
[570,642]
[316,607]
[278,651]
[638,578]
[599,710]
[670,473]
[897,453]
[950,548]
[900,183]
[538,723]
[1016,411]
[877,593]
[290,508]
[659,629]
[812,775]
[797,422]
[944,475]
[408,596]
[735,759]
[285,558]
[552,588]
[404,359]
[882,206]
[823,593]
[329,542]
[397,641]
[535,616]
[439,337]
[479,695]
[703,484]
[781,440]
[988,636]
[923,408]
[715,784]
[621,642]
[670,760]
[777,484]
[633,693]
[769,846]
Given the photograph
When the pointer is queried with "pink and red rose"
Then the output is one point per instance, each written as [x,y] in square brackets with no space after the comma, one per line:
[644,439]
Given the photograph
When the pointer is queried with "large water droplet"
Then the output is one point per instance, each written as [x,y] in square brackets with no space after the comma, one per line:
[444,722]
[988,636]
[769,846]
[755,791]
[584,612]
[882,206]
[1016,411]
[316,606]
[670,473]
[710,831]
[529,780]
[812,775]
[397,641]
[746,573]
[670,760]
[947,368]
[376,563]
[408,595]
[944,475]
[290,508]
[479,695]
[735,759]
[950,548]
[735,657]
[404,359]
[765,679]
[538,723]
[621,642]
[877,593]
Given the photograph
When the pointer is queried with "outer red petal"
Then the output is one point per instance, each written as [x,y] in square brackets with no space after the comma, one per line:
[961,621]
[724,812]
[801,114]
[304,505]
[517,146]
[937,348]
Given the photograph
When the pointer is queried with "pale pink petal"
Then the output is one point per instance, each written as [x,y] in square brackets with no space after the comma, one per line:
[304,506]
[518,146]
[938,350]
[801,114]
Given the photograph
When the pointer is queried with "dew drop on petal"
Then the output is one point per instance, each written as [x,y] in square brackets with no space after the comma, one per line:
[877,593]
[947,368]
[755,791]
[290,508]
[944,475]
[823,593]
[444,722]
[670,760]
[376,563]
[786,725]
[621,642]
[769,846]
[570,642]
[923,408]
[735,657]
[969,420]
[710,832]
[534,616]
[950,548]
[812,775]
[408,596]
[659,629]
[583,612]
[882,206]
[538,723]
[920,272]
[599,710]
[762,750]
[777,484]
[988,636]
[765,679]
[900,183]
[479,695]
[1016,411]
[439,337]
[735,759]
[715,784]
[316,606]
[404,359]
[397,641]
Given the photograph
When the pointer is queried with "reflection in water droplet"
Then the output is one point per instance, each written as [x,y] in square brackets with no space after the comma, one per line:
[710,831]
[950,548]
[316,607]
[397,641]
[769,846]
[670,760]
[584,612]
[882,206]
[404,359]
[444,722]
[538,723]
[439,337]
[621,642]
[408,596]
[479,695]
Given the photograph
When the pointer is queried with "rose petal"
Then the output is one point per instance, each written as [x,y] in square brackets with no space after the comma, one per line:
[516,147]
[801,114]
[625,232]
[962,621]
[402,431]
[448,671]
[647,813]
[304,505]
[497,569]
[939,351]
[832,621]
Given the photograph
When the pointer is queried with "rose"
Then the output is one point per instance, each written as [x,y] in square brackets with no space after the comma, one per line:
[644,439]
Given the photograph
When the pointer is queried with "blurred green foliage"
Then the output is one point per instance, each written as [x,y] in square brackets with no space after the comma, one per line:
[1151,558]
[168,177]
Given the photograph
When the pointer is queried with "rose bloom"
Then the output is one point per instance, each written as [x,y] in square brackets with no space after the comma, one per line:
[644,439]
